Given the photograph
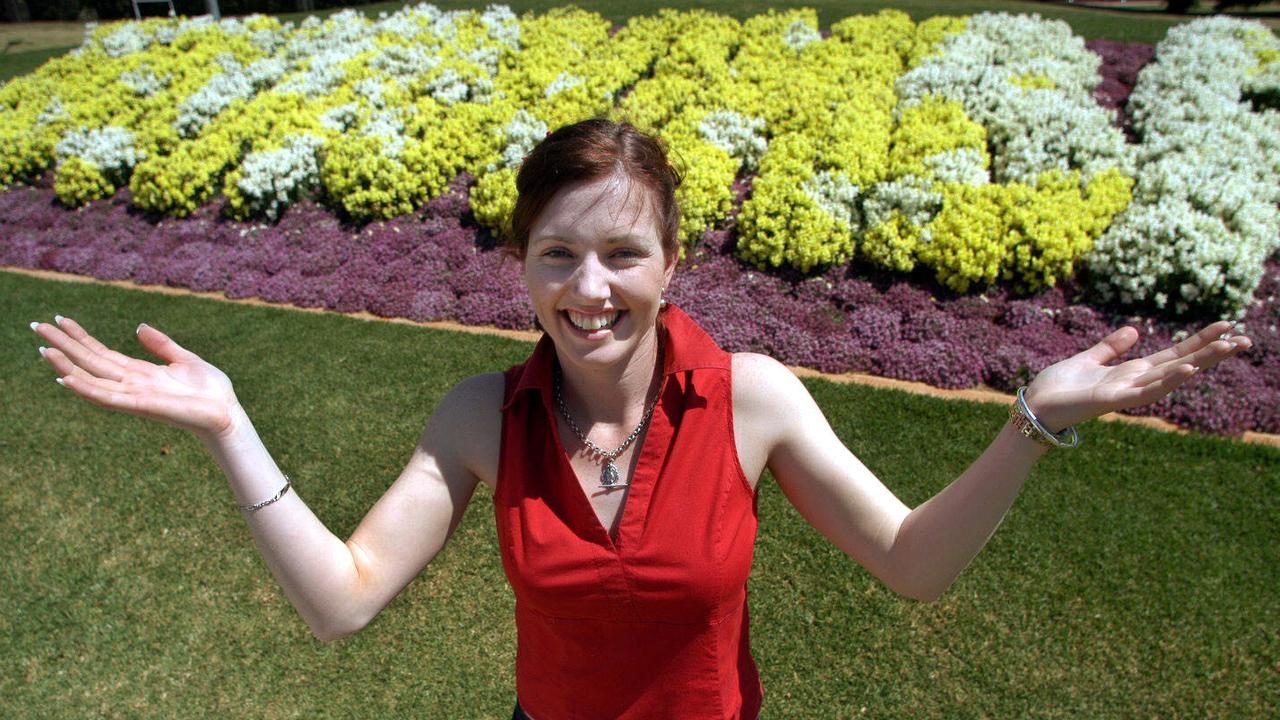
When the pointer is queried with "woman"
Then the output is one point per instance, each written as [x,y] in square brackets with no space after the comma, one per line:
[623,458]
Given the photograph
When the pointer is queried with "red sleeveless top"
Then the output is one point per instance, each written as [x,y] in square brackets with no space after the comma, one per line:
[654,624]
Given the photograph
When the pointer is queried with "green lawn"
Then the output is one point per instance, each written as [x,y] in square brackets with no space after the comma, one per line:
[1135,577]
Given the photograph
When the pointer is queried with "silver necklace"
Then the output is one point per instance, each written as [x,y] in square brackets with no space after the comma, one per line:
[609,475]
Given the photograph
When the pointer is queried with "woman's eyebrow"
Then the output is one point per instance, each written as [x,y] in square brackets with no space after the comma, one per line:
[612,239]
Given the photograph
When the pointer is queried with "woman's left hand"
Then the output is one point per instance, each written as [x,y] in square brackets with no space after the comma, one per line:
[1084,386]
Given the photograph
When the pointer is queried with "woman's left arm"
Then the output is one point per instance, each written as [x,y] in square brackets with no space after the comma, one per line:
[919,553]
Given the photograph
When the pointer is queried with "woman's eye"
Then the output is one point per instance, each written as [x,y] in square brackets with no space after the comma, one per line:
[556,253]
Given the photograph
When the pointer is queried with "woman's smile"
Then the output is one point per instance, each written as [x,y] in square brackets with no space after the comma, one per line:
[592,322]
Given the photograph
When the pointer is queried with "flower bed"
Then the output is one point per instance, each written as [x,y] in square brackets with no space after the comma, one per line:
[437,264]
[971,146]
[958,154]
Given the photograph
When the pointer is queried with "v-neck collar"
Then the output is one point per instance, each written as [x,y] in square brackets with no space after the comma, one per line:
[685,346]
[650,448]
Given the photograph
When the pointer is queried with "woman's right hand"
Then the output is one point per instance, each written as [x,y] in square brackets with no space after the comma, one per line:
[188,392]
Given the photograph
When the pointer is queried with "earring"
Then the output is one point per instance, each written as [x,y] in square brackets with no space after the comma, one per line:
[662,298]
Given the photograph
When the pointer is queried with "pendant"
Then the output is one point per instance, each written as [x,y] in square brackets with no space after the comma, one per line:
[609,476]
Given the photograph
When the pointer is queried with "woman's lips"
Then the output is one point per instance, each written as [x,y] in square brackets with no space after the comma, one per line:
[592,325]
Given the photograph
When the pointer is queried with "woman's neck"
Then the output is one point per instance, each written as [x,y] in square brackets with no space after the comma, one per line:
[616,395]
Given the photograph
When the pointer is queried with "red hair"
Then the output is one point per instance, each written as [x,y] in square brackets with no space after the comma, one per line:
[590,150]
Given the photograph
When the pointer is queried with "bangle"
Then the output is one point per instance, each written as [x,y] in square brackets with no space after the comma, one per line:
[268,501]
[1030,426]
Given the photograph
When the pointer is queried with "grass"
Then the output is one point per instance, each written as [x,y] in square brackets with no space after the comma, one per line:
[1133,577]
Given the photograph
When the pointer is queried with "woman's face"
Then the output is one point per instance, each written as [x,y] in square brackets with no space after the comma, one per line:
[595,269]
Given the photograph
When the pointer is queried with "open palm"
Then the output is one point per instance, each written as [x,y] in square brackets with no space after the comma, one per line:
[188,392]
[1086,386]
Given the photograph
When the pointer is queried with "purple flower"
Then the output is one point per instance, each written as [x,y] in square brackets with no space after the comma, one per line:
[1023,313]
[930,324]
[936,362]
[244,283]
[874,326]
[431,304]
[117,266]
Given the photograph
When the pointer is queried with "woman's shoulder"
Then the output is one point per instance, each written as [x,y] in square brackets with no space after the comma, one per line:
[470,419]
[481,392]
[764,390]
[758,376]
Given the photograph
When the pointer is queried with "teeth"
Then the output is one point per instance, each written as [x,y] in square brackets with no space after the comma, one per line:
[592,322]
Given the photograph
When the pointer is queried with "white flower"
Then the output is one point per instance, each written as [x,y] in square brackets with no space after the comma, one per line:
[799,34]
[273,179]
[130,37]
[404,63]
[52,112]
[1204,215]
[109,149]
[143,82]
[913,197]
[520,135]
[1030,129]
[388,126]
[739,135]
[563,82]
[965,166]
[836,195]
[214,97]
[503,25]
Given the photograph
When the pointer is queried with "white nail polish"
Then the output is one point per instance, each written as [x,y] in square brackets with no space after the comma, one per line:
[34,325]
[60,382]
[43,349]
[58,319]
[139,328]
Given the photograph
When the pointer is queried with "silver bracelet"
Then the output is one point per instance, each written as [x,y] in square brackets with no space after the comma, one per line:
[1068,438]
[268,501]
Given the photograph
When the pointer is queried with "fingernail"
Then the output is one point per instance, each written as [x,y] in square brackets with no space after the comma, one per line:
[140,326]
[42,350]
[58,319]
[34,325]
[59,381]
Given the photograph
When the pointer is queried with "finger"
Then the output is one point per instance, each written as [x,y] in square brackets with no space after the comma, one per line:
[1161,381]
[63,365]
[162,346]
[1202,359]
[1206,335]
[1113,346]
[77,332]
[97,365]
[103,393]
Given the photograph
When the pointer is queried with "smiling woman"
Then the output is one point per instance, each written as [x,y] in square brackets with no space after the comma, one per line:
[623,456]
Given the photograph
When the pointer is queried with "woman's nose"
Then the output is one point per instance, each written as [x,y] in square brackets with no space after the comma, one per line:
[591,279]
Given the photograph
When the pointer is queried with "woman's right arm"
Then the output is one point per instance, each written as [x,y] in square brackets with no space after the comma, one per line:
[336,587]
